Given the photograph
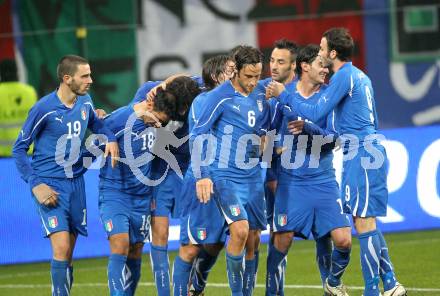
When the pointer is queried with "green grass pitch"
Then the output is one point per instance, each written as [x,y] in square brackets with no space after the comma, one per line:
[416,257]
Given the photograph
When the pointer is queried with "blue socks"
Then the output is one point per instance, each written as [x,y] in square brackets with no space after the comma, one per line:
[370,255]
[181,275]
[274,273]
[257,259]
[59,271]
[161,269]
[324,256]
[234,266]
[134,265]
[340,260]
[201,268]
[249,277]
[119,276]
[386,267]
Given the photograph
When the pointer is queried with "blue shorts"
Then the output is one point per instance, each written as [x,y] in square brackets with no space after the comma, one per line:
[165,196]
[365,190]
[125,213]
[241,201]
[303,209]
[200,223]
[70,214]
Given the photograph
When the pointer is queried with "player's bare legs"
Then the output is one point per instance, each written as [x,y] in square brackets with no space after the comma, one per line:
[340,257]
[160,229]
[239,232]
[63,244]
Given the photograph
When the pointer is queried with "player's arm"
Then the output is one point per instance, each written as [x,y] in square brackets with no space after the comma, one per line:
[31,128]
[212,111]
[97,126]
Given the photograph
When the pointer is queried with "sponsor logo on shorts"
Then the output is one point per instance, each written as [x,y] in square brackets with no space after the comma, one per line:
[53,221]
[108,225]
[235,210]
[282,219]
[201,233]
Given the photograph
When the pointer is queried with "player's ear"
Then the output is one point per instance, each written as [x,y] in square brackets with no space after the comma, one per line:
[149,104]
[67,79]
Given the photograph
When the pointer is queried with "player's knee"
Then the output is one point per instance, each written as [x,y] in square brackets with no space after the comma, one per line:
[343,242]
[282,241]
[135,251]
[188,253]
[240,231]
[119,246]
[62,250]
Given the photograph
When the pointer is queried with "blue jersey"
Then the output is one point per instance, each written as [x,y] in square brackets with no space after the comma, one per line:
[58,134]
[228,115]
[351,95]
[313,170]
[127,176]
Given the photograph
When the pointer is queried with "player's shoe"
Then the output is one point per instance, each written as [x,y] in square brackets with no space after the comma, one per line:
[193,292]
[335,291]
[398,290]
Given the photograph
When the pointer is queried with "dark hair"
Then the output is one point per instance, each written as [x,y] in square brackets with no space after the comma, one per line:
[165,101]
[68,65]
[247,55]
[8,70]
[212,69]
[291,46]
[340,40]
[234,50]
[185,89]
[307,54]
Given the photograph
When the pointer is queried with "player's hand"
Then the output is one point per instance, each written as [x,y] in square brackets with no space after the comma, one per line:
[45,195]
[152,93]
[112,149]
[100,113]
[296,127]
[274,89]
[204,189]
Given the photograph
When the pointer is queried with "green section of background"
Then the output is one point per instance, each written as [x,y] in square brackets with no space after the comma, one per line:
[414,256]
[110,45]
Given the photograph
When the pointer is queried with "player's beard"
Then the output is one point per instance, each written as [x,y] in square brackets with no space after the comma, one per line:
[76,88]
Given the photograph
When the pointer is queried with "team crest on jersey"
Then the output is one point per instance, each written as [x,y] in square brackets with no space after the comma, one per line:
[53,221]
[108,225]
[201,233]
[282,219]
[260,105]
[83,113]
[235,210]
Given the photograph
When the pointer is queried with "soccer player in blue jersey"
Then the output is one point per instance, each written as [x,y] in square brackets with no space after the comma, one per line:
[236,119]
[202,233]
[364,185]
[57,126]
[125,193]
[282,69]
[307,198]
[165,200]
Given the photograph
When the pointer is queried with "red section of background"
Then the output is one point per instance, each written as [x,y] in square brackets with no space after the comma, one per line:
[6,43]
[310,31]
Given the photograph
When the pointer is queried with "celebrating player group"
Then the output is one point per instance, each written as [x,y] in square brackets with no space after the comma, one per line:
[229,154]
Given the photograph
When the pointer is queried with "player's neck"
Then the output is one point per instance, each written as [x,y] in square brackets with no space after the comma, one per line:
[238,87]
[337,64]
[66,96]
[306,87]
[290,78]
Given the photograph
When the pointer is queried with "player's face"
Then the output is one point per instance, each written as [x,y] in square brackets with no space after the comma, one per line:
[248,77]
[81,81]
[324,53]
[281,66]
[228,73]
[318,72]
[156,118]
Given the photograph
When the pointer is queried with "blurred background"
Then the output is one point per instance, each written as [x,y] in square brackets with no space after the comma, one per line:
[132,41]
